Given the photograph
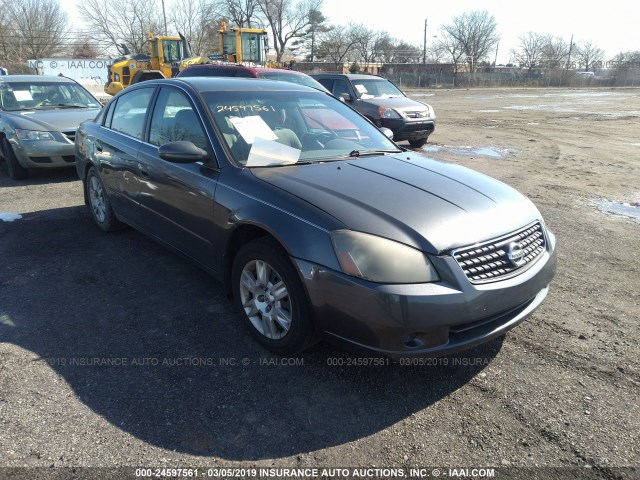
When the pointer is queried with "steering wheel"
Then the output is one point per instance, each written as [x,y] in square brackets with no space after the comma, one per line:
[324,136]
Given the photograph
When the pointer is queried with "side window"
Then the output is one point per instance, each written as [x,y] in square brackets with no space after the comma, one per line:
[130,111]
[174,119]
[111,106]
[340,87]
[326,83]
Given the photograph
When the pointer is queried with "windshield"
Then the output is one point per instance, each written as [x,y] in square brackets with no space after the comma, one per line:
[172,51]
[36,95]
[285,76]
[376,88]
[265,128]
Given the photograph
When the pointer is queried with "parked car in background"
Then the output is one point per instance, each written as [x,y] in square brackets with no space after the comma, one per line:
[39,116]
[384,104]
[222,70]
[316,231]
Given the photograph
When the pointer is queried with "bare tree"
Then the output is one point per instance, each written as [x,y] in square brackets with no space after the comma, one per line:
[555,52]
[33,29]
[589,55]
[288,20]
[475,33]
[197,20]
[243,13]
[336,45]
[83,45]
[451,49]
[407,53]
[435,54]
[531,49]
[367,43]
[386,47]
[134,19]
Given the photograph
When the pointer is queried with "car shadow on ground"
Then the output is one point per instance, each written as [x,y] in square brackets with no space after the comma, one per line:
[39,177]
[151,343]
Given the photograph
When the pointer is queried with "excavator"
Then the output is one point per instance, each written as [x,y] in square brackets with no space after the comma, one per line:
[167,55]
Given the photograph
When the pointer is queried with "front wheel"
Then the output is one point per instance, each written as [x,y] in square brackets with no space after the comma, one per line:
[12,166]
[268,292]
[418,142]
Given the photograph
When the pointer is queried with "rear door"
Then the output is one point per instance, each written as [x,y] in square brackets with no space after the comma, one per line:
[117,150]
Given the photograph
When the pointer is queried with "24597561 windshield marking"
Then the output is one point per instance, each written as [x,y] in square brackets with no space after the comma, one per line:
[237,108]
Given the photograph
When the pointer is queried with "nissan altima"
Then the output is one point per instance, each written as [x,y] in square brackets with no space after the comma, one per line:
[39,116]
[316,223]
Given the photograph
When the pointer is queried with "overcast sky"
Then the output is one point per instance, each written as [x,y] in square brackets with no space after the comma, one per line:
[611,25]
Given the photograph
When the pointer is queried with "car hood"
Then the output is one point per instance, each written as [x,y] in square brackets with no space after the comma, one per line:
[54,119]
[402,104]
[429,204]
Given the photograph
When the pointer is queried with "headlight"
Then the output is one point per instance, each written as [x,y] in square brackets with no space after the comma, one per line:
[33,135]
[381,260]
[388,113]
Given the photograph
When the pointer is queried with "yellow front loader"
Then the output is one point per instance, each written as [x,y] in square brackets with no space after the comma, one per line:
[248,46]
[167,54]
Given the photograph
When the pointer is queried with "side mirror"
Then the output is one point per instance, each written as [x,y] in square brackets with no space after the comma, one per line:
[182,152]
[387,132]
[345,97]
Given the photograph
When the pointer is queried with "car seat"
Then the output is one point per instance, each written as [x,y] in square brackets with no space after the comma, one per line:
[276,120]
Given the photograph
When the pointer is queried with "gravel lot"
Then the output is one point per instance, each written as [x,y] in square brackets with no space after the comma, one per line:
[115,352]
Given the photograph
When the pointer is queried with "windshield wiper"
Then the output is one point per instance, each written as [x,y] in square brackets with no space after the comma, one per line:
[72,105]
[364,153]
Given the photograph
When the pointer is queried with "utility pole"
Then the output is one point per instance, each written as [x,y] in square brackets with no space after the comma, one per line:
[495,60]
[164,15]
[569,56]
[424,52]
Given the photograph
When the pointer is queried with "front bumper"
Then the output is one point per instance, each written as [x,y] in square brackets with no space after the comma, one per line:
[44,154]
[409,129]
[424,319]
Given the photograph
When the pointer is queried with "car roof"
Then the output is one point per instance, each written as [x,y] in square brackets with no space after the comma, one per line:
[352,76]
[255,70]
[280,70]
[231,84]
[220,66]
[36,78]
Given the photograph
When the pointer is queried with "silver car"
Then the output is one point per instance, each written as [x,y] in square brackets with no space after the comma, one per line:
[39,116]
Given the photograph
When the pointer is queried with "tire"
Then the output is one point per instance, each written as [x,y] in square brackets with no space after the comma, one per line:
[418,143]
[12,166]
[269,294]
[99,204]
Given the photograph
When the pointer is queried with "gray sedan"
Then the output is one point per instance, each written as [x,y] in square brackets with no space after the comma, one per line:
[39,116]
[317,224]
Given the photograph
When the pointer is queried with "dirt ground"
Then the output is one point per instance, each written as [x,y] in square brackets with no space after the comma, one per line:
[561,390]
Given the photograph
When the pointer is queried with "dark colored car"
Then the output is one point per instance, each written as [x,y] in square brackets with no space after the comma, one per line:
[316,231]
[242,71]
[384,104]
[39,116]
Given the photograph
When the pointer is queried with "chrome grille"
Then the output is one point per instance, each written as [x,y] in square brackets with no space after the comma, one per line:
[420,114]
[495,260]
[70,134]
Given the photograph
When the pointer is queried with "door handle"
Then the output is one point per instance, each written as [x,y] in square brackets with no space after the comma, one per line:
[142,170]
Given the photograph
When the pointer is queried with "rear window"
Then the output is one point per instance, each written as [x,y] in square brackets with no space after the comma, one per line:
[285,76]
